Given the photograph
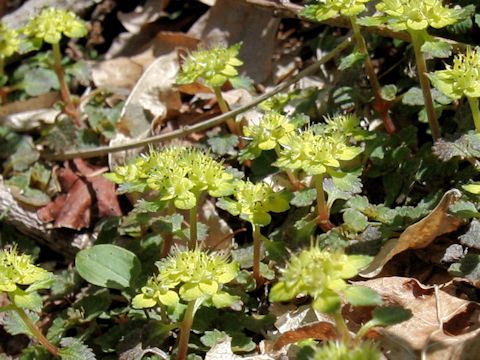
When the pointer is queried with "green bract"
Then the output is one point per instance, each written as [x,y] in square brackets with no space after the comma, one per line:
[340,351]
[189,275]
[315,154]
[176,173]
[266,134]
[327,9]
[18,269]
[9,41]
[214,66]
[416,15]
[253,202]
[463,79]
[51,24]
[320,274]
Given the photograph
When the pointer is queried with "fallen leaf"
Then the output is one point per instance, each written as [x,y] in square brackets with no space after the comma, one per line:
[142,15]
[75,213]
[219,235]
[120,72]
[318,331]
[423,331]
[419,235]
[223,351]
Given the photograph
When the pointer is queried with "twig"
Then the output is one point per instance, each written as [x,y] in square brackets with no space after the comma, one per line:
[102,150]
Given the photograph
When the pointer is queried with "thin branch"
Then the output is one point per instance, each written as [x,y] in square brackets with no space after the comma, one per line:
[102,150]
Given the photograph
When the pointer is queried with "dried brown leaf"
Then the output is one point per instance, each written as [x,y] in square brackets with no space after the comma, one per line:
[419,235]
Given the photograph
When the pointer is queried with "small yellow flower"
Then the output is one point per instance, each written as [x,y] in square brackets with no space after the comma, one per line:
[52,23]
[9,41]
[327,9]
[461,79]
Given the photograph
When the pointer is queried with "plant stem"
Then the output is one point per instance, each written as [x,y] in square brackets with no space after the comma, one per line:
[473,102]
[257,242]
[167,237]
[417,42]
[185,328]
[193,228]
[381,106]
[231,123]
[323,218]
[36,331]
[70,108]
[342,327]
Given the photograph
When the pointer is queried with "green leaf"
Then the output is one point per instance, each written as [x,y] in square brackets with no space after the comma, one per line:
[468,267]
[108,266]
[389,92]
[391,315]
[24,300]
[40,81]
[437,48]
[14,325]
[465,147]
[304,197]
[75,349]
[362,296]
[355,220]
[472,237]
[223,144]
[464,209]
[413,97]
[351,59]
[211,338]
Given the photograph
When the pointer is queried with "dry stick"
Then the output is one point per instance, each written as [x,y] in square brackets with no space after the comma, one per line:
[102,150]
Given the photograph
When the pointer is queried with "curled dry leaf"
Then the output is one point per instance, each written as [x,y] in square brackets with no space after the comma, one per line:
[418,235]
[440,322]
[319,331]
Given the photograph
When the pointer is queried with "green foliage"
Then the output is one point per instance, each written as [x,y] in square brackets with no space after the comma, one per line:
[413,15]
[327,9]
[267,134]
[9,42]
[188,276]
[18,269]
[214,66]
[340,351]
[51,23]
[108,265]
[320,274]
[461,79]
[75,349]
[253,202]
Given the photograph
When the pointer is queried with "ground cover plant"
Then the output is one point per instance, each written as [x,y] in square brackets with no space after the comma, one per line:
[240,179]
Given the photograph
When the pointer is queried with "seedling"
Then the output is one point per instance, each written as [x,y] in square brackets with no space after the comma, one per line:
[252,203]
[214,67]
[49,26]
[194,277]
[21,280]
[319,152]
[415,16]
[323,10]
[339,351]
[463,79]
[322,275]
[177,175]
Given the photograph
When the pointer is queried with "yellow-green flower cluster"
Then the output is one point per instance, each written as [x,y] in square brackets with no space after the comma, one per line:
[463,78]
[177,174]
[18,269]
[52,23]
[417,15]
[266,134]
[340,351]
[320,274]
[9,41]
[315,154]
[327,9]
[253,202]
[188,276]
[214,66]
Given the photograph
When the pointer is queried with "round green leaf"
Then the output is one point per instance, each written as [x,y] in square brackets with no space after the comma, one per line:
[362,296]
[108,266]
[391,315]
